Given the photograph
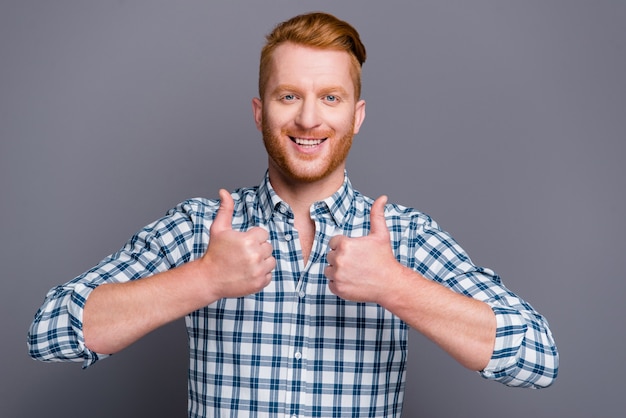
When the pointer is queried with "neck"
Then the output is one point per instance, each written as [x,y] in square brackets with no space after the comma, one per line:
[300,195]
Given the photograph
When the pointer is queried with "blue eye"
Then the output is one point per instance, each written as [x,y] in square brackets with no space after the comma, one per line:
[331,98]
[289,97]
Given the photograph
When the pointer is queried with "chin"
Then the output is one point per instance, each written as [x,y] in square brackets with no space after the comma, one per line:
[300,176]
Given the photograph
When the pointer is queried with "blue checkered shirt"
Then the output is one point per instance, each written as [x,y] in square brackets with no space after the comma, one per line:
[296,349]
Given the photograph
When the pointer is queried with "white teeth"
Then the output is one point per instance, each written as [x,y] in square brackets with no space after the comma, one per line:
[308,142]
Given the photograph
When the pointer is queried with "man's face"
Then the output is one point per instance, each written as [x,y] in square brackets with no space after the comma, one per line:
[308,114]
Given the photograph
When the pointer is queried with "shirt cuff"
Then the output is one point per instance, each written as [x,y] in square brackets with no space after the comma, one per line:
[76,309]
[510,332]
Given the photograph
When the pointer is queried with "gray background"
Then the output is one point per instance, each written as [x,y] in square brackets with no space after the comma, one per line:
[503,120]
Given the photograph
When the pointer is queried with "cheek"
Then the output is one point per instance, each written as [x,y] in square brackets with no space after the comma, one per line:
[342,124]
[278,116]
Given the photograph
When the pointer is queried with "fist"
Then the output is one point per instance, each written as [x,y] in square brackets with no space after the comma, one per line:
[237,263]
[358,268]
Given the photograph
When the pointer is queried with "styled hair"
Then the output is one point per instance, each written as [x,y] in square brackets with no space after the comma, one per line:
[315,30]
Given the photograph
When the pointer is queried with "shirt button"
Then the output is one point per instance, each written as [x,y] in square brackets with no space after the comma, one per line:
[301,294]
[287,237]
[298,355]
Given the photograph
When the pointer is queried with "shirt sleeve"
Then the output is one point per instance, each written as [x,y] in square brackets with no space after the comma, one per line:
[56,333]
[525,354]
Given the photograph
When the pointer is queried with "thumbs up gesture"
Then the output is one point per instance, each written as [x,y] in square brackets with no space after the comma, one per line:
[357,267]
[237,263]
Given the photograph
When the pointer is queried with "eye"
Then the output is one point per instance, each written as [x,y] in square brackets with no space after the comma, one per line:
[288,97]
[331,98]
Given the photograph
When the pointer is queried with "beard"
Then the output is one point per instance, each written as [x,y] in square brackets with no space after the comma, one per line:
[305,167]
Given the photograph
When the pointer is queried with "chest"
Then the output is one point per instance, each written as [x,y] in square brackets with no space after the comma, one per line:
[306,233]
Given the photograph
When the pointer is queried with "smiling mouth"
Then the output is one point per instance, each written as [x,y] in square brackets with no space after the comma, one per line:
[304,142]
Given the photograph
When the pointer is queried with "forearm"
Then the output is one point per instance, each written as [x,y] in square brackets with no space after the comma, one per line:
[464,327]
[480,323]
[118,314]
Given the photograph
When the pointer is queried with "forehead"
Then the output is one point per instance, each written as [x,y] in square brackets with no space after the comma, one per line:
[310,68]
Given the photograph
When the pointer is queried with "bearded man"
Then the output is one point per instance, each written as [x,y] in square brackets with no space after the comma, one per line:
[298,293]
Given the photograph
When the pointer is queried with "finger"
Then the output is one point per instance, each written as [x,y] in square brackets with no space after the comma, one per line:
[334,242]
[330,258]
[329,272]
[377,217]
[270,264]
[267,249]
[223,219]
[258,234]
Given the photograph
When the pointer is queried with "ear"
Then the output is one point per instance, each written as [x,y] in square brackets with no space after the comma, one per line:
[359,115]
[257,111]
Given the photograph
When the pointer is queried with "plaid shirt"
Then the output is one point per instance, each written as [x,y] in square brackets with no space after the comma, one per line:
[296,349]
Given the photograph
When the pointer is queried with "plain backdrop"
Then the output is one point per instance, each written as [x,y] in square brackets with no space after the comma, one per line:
[504,120]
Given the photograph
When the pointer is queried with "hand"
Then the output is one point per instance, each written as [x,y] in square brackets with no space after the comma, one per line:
[239,263]
[357,266]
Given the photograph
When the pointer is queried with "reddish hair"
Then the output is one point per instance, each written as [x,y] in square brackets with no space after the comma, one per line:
[315,30]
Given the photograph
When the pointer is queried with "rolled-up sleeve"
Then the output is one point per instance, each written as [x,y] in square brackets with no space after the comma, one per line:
[56,333]
[525,353]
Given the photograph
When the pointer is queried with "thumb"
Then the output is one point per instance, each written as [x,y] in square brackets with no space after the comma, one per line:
[377,217]
[223,219]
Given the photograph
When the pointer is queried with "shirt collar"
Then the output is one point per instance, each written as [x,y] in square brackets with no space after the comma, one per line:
[337,205]
[269,201]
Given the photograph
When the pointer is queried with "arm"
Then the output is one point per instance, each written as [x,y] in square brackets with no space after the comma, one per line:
[462,308]
[464,327]
[107,308]
[118,314]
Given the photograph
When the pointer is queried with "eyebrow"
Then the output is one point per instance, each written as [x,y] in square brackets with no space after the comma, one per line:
[336,89]
[326,90]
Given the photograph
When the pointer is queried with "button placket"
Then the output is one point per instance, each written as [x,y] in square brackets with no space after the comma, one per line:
[288,244]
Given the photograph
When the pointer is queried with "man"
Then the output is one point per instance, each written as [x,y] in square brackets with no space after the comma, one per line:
[298,293]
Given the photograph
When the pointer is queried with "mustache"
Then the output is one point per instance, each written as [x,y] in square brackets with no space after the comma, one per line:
[314,133]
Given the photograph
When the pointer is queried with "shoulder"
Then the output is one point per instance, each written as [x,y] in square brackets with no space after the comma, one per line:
[396,213]
[198,206]
[206,208]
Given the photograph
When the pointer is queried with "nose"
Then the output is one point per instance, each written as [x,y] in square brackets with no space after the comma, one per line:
[308,116]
